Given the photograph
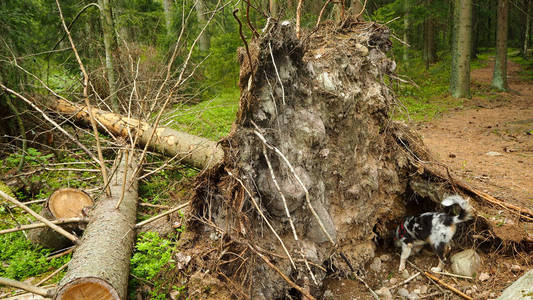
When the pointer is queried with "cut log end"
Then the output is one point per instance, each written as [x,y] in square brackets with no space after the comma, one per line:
[68,203]
[87,288]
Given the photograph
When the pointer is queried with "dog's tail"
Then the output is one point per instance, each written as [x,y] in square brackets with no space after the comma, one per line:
[466,210]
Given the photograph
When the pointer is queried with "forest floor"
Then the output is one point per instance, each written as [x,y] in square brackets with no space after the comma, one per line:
[488,143]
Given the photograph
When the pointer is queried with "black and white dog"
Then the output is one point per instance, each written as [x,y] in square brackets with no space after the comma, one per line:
[433,228]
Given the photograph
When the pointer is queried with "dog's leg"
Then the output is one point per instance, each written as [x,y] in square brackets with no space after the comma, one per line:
[439,249]
[406,251]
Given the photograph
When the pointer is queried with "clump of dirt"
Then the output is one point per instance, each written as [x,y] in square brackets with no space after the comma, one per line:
[315,173]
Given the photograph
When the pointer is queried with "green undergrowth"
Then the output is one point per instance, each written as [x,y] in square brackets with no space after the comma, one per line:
[429,96]
[19,258]
[210,119]
[153,255]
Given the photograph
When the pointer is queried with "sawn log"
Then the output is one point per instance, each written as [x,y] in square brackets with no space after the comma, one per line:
[192,150]
[99,268]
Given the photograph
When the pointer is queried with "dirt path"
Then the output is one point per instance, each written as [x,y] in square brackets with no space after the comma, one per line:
[500,123]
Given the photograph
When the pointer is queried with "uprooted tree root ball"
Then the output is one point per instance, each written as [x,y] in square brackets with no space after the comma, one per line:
[315,173]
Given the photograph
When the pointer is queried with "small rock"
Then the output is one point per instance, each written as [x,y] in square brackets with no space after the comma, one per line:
[393,281]
[484,277]
[466,263]
[327,295]
[384,293]
[385,257]
[403,292]
[516,268]
[522,289]
[492,295]
[376,265]
[469,292]
[493,153]
[416,291]
[182,260]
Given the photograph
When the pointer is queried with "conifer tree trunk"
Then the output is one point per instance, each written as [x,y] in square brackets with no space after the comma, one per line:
[406,32]
[204,42]
[430,54]
[110,47]
[527,30]
[461,48]
[273,7]
[499,78]
[167,7]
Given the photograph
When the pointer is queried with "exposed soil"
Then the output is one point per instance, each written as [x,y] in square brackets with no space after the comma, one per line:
[463,139]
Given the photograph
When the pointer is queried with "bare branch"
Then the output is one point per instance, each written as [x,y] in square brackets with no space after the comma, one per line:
[87,103]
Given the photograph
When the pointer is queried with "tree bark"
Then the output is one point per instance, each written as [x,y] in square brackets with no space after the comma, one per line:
[431,49]
[192,150]
[167,7]
[110,46]
[406,32]
[204,43]
[460,74]
[273,7]
[527,29]
[499,78]
[100,265]
[62,204]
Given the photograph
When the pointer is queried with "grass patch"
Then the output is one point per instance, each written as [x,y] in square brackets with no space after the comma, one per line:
[210,119]
[431,98]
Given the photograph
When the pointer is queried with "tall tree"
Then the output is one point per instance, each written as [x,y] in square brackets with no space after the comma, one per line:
[430,49]
[406,32]
[167,7]
[110,47]
[461,48]
[529,11]
[204,43]
[499,78]
[273,7]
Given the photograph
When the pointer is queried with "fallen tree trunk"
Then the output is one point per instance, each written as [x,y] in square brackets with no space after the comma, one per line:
[192,150]
[99,268]
[62,204]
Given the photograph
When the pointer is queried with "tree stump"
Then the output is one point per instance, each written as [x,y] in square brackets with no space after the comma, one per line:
[62,204]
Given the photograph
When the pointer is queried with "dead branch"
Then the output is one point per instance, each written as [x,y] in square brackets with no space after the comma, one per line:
[521,211]
[52,122]
[86,98]
[451,288]
[453,275]
[60,230]
[405,281]
[298,17]
[265,219]
[290,282]
[321,13]
[52,274]
[39,225]
[27,287]
[262,138]
[141,224]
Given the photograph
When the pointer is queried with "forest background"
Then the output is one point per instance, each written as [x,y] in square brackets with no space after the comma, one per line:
[131,48]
